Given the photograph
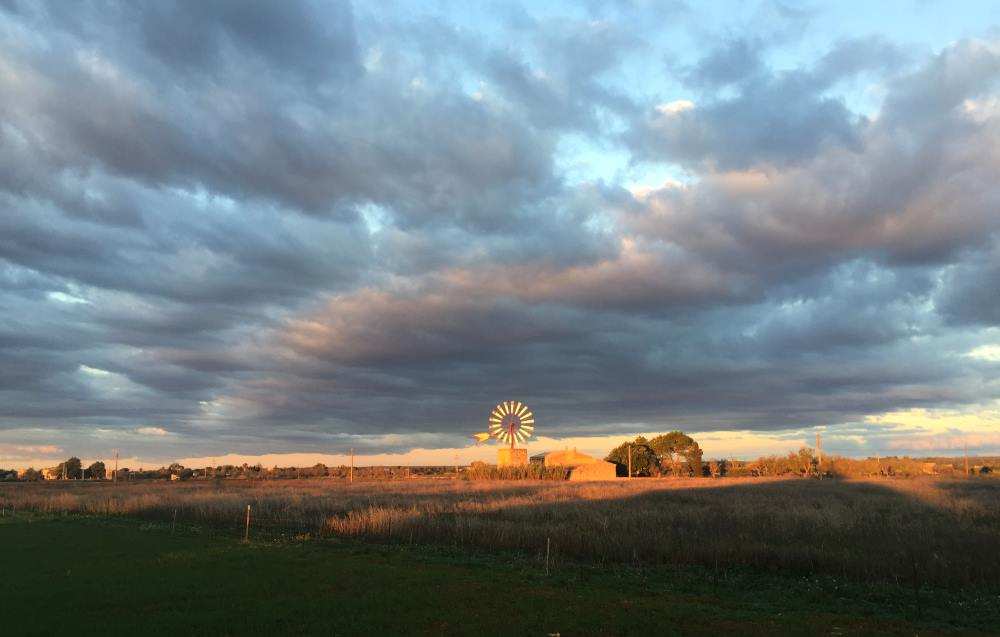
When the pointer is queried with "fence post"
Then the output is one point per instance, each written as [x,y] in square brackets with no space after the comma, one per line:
[548,549]
[246,530]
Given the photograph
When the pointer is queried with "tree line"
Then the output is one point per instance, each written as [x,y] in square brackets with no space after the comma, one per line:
[671,454]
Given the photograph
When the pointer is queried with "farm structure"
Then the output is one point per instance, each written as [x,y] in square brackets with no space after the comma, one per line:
[583,466]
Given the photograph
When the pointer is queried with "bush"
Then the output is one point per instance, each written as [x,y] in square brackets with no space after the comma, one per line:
[483,471]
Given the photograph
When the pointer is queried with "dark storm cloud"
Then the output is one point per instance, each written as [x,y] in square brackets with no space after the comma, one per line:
[583,368]
[971,291]
[270,226]
[314,39]
[319,147]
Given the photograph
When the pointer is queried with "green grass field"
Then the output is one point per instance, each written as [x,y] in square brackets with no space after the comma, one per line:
[85,575]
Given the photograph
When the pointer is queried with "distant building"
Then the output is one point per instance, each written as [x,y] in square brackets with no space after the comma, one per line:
[583,467]
[567,458]
[52,473]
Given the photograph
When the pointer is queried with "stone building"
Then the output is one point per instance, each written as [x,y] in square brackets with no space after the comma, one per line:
[583,467]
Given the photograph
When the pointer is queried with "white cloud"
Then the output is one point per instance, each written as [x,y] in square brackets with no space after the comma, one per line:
[94,371]
[62,297]
[989,353]
[675,107]
[153,431]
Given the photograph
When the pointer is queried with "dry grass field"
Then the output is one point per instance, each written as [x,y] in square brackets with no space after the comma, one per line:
[917,532]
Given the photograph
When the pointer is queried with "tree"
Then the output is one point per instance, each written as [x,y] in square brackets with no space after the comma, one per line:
[96,471]
[806,462]
[675,446]
[644,460]
[70,470]
[31,475]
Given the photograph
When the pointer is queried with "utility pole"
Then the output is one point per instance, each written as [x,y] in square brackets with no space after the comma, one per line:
[966,457]
[630,459]
[819,452]
[351,474]
[116,468]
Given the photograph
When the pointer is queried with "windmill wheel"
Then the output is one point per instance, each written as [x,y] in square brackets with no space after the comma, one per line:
[511,422]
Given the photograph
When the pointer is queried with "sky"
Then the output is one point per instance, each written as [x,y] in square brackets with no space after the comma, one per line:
[281,231]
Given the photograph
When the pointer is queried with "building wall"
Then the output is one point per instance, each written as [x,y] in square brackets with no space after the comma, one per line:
[507,457]
[597,470]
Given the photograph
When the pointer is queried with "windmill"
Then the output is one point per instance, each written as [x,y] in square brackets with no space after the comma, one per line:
[511,422]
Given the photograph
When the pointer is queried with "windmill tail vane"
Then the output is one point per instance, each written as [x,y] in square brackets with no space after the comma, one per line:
[481,437]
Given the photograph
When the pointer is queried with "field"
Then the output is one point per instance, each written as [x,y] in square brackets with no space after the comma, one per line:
[879,555]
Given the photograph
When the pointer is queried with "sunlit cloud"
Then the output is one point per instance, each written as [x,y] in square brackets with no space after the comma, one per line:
[989,353]
[153,431]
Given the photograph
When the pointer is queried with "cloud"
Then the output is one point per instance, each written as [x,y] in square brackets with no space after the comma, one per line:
[152,431]
[989,353]
[301,228]
[751,115]
[953,443]
[966,298]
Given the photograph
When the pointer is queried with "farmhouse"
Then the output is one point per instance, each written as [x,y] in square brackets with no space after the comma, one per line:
[583,467]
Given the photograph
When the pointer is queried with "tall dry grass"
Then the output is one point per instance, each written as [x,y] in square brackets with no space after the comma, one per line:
[915,532]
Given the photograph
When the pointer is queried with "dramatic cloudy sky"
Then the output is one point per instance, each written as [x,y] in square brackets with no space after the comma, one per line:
[301,227]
